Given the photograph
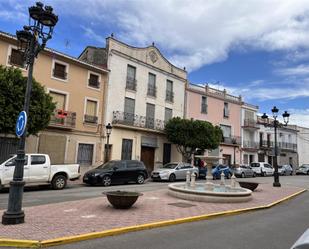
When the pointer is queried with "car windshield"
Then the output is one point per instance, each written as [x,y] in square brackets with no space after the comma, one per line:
[304,166]
[170,166]
[108,165]
[255,165]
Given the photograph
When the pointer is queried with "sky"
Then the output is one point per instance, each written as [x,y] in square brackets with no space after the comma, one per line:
[258,49]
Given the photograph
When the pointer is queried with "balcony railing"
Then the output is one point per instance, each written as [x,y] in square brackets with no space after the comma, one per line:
[266,144]
[231,140]
[90,119]
[60,74]
[152,91]
[250,123]
[94,83]
[250,144]
[169,96]
[134,120]
[287,146]
[131,84]
[63,119]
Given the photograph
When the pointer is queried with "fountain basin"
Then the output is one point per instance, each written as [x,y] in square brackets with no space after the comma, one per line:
[218,193]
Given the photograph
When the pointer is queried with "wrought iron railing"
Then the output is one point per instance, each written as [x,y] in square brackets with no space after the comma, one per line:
[63,119]
[250,123]
[134,120]
[250,144]
[60,74]
[131,84]
[169,96]
[287,146]
[231,140]
[90,119]
[152,91]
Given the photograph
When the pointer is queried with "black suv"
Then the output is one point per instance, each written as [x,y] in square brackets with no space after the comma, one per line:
[117,171]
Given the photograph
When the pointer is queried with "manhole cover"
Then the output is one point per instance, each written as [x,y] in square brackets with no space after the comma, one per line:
[181,204]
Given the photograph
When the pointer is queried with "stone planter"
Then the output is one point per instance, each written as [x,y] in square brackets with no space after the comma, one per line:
[122,199]
[249,185]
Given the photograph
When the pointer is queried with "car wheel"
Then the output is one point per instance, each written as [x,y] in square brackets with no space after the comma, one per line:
[140,179]
[242,175]
[106,181]
[59,182]
[172,178]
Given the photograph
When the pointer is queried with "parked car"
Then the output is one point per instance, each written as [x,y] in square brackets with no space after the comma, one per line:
[116,172]
[285,170]
[173,171]
[39,171]
[303,170]
[218,169]
[244,171]
[262,168]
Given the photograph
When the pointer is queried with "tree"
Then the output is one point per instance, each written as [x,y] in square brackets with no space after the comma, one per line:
[189,135]
[12,95]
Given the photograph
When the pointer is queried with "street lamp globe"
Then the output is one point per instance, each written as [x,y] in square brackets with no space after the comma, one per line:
[108,129]
[275,111]
[286,117]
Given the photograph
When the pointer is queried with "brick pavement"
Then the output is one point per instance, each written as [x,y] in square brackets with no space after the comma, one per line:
[94,215]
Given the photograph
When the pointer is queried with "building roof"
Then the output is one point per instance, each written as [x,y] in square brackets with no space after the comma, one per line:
[60,54]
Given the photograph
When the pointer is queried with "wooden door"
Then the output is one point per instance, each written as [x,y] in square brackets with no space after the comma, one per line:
[147,157]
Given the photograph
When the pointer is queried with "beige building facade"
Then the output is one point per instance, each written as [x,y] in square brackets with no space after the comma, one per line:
[144,91]
[75,133]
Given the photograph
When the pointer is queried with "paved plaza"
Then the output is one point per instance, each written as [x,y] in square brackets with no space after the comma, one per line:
[75,218]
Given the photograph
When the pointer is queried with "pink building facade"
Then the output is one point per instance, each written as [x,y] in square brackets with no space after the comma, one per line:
[222,109]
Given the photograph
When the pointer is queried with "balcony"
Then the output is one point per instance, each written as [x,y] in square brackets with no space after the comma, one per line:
[63,119]
[90,119]
[169,96]
[250,124]
[152,91]
[131,84]
[231,140]
[250,145]
[133,120]
[287,146]
[264,144]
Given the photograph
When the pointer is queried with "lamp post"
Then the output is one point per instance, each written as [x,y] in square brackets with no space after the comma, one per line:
[108,133]
[31,40]
[234,142]
[276,125]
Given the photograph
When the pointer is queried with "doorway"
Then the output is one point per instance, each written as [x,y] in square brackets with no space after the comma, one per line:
[147,157]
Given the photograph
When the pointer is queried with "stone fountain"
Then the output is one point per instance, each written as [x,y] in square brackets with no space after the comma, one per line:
[209,191]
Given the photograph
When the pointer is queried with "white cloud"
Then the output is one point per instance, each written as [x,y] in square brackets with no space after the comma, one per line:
[300,70]
[92,35]
[299,117]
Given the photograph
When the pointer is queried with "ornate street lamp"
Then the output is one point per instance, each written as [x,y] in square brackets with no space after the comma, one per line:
[31,40]
[108,133]
[276,125]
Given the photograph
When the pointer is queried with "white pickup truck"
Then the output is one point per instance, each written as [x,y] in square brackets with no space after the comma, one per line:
[39,171]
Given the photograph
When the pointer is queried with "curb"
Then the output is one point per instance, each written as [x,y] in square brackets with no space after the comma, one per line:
[117,231]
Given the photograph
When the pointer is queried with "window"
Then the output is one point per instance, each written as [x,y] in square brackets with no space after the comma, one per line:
[151,85]
[150,115]
[131,78]
[91,112]
[169,91]
[12,162]
[94,80]
[16,58]
[129,106]
[60,100]
[168,114]
[204,104]
[60,71]
[126,152]
[226,111]
[226,130]
[37,160]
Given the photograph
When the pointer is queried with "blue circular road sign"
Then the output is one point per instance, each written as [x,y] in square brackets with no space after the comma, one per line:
[21,123]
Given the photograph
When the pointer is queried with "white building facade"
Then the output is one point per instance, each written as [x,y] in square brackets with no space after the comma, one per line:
[144,91]
[303,145]
[249,134]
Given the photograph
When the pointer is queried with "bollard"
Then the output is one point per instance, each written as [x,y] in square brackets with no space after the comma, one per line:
[222,179]
[188,178]
[233,181]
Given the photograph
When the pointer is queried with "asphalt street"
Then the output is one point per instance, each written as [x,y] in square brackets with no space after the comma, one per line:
[45,195]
